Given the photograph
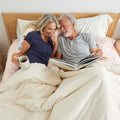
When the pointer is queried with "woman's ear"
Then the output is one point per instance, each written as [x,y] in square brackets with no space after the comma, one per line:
[74,24]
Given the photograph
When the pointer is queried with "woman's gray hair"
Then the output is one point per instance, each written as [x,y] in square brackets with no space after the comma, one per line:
[70,17]
[45,21]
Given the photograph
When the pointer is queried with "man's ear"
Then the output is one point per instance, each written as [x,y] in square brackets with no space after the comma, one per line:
[74,24]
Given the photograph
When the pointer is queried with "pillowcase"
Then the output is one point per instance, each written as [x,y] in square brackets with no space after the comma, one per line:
[97,26]
[21,28]
[107,46]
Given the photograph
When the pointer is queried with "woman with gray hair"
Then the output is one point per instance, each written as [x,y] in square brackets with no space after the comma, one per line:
[41,44]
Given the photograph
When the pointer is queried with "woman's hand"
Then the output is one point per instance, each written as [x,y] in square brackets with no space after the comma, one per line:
[25,47]
[15,59]
[54,39]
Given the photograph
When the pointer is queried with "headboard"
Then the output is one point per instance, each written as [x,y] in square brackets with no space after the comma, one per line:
[10,21]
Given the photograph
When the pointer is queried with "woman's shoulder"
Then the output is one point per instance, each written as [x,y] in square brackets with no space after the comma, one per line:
[33,33]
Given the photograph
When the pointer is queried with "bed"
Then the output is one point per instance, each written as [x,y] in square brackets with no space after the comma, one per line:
[10,21]
[53,94]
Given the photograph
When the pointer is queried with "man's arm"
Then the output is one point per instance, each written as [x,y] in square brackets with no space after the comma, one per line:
[97,51]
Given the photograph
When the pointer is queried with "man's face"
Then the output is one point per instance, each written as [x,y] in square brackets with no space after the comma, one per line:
[66,27]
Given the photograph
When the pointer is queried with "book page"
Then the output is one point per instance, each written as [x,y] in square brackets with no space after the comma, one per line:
[66,65]
[63,64]
[88,59]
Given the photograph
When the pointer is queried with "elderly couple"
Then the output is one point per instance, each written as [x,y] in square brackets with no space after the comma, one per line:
[94,91]
[42,43]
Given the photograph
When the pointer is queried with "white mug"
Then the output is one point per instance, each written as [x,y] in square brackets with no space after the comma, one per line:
[24,62]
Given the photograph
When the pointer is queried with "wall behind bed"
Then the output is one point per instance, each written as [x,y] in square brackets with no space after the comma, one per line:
[58,6]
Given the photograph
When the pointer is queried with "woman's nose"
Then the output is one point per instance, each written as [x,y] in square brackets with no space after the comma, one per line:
[52,31]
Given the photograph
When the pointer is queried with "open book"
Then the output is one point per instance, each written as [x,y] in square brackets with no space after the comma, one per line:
[69,66]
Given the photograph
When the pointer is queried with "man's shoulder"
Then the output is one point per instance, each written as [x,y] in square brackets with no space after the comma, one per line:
[60,36]
[85,36]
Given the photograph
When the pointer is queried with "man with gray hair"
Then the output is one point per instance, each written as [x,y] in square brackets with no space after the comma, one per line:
[98,84]
[73,46]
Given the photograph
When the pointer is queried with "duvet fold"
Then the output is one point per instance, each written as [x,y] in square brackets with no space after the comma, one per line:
[41,93]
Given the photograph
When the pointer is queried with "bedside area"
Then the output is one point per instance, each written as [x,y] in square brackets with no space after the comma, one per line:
[1,74]
[1,67]
[117,46]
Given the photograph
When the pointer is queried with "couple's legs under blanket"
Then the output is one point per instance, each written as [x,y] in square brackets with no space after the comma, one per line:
[92,93]
[23,94]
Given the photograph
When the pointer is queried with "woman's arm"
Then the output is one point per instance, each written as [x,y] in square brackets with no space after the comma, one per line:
[54,50]
[25,47]
[55,44]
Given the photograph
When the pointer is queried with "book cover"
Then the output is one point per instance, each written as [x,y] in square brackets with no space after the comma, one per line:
[69,66]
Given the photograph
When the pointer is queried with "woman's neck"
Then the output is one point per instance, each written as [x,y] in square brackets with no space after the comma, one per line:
[44,37]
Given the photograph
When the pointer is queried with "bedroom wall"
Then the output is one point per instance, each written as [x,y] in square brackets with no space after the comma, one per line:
[51,6]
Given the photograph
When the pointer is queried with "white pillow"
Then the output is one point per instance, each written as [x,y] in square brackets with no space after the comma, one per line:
[97,26]
[21,30]
[21,27]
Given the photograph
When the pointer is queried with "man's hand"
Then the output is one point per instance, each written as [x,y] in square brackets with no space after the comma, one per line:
[98,52]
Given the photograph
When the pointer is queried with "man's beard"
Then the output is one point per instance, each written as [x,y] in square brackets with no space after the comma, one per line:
[67,34]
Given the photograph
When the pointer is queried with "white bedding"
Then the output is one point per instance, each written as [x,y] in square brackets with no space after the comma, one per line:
[92,93]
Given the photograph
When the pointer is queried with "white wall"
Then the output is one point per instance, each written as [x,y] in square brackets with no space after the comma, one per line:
[52,6]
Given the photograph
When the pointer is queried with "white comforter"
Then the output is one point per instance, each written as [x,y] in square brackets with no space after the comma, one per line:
[92,93]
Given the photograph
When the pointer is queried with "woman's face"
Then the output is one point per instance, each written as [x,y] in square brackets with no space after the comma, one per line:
[50,29]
